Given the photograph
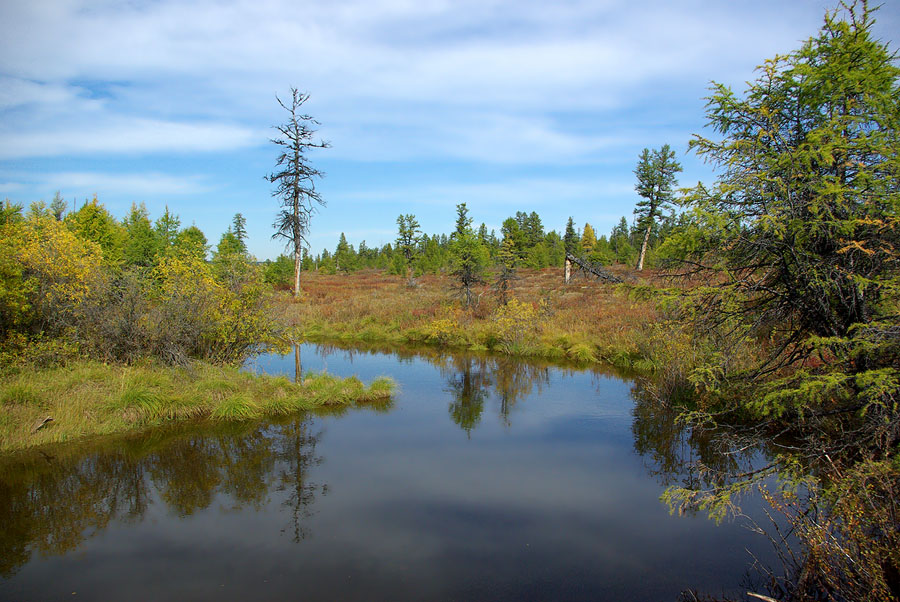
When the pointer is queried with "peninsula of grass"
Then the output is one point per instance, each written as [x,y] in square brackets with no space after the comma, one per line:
[86,399]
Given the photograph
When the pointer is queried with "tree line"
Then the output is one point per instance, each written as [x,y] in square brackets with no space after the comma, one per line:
[522,234]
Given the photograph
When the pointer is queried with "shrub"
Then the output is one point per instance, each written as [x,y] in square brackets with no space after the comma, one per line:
[514,324]
[51,272]
[442,331]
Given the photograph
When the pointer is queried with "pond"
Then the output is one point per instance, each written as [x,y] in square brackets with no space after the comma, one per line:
[484,479]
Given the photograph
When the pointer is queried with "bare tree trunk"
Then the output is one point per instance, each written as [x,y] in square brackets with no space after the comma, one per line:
[640,263]
[568,270]
[296,273]
[298,248]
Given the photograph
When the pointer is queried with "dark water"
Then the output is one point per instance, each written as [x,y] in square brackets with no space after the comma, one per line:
[485,479]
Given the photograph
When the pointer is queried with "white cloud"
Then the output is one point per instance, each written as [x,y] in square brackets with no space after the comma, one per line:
[498,68]
[500,195]
[81,184]
[7,187]
[122,135]
[16,93]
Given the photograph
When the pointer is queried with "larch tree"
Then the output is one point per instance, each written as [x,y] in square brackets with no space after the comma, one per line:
[191,242]
[507,261]
[655,172]
[409,235]
[141,241]
[804,256]
[469,257]
[588,240]
[810,161]
[166,228]
[295,177]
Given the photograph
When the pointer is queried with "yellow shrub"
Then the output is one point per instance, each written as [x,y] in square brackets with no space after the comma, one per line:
[198,316]
[51,272]
[514,324]
[442,331]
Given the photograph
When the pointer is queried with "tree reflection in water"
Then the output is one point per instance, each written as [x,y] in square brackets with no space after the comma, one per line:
[691,456]
[52,501]
[472,379]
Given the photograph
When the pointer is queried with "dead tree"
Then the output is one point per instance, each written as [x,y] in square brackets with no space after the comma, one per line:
[586,268]
[295,180]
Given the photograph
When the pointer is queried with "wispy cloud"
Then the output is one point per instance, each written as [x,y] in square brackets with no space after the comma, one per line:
[86,183]
[121,135]
[484,76]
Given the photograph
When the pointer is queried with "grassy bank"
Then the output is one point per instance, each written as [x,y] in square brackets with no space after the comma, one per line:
[91,398]
[585,321]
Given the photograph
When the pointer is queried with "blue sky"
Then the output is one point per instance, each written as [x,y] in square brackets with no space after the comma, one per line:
[505,105]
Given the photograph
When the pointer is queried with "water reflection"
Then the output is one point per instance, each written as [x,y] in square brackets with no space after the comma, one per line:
[548,497]
[468,384]
[691,457]
[52,501]
[472,379]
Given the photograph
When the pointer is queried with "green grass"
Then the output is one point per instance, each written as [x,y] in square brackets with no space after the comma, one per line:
[91,398]
[581,352]
[21,394]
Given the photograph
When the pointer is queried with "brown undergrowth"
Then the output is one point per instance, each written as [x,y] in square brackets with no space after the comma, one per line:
[585,320]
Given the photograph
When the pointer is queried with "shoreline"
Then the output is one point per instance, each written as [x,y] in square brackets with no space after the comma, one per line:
[89,398]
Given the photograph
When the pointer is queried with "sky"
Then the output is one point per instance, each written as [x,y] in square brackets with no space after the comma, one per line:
[507,106]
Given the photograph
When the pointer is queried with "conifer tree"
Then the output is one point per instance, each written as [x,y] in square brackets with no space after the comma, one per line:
[571,238]
[802,245]
[656,183]
[166,230]
[239,228]
[463,221]
[295,179]
[93,222]
[469,257]
[408,238]
[191,242]
[58,206]
[507,261]
[588,240]
[141,243]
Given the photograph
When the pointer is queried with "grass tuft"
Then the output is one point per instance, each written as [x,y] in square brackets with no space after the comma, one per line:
[21,394]
[581,352]
[150,404]
[238,407]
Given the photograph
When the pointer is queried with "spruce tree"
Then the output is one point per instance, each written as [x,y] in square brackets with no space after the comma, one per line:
[469,257]
[571,238]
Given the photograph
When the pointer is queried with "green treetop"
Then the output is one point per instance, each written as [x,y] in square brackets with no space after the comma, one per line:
[656,184]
